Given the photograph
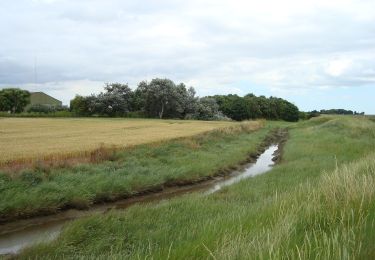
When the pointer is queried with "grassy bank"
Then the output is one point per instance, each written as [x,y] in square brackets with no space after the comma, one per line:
[318,203]
[146,167]
[25,139]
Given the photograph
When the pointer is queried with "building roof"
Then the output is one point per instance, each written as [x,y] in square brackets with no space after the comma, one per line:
[42,93]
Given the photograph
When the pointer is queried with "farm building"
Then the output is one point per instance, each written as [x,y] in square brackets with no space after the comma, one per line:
[40,98]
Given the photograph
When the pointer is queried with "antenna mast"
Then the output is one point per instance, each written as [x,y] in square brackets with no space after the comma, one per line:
[35,71]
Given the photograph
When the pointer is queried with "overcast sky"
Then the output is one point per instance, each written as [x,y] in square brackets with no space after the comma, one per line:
[317,54]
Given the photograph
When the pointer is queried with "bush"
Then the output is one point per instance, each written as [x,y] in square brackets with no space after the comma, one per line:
[44,108]
[38,114]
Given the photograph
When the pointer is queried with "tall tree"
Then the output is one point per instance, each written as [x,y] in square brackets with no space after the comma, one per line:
[186,100]
[161,97]
[115,101]
[138,99]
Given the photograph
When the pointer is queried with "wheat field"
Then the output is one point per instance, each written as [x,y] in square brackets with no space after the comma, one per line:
[31,138]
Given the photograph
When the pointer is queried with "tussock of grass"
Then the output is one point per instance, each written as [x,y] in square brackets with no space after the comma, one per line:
[327,220]
[317,204]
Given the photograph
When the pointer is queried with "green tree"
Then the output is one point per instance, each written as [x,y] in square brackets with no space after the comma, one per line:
[14,99]
[289,112]
[206,109]
[186,101]
[253,106]
[138,99]
[83,106]
[162,99]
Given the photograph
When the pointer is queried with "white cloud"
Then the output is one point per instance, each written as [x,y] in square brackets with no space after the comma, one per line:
[338,66]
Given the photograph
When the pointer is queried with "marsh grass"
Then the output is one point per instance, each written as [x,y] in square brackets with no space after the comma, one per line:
[317,204]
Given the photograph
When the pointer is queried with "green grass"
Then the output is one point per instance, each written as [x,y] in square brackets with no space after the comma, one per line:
[46,190]
[319,203]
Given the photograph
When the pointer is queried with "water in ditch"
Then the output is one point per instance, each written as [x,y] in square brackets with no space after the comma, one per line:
[16,236]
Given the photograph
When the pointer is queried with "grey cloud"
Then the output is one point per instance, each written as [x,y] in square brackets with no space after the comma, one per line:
[130,41]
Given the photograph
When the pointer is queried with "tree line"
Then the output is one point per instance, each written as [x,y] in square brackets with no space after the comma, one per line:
[161,98]
[340,112]
[315,113]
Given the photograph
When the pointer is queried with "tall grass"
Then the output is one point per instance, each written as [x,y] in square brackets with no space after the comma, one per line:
[327,220]
[317,204]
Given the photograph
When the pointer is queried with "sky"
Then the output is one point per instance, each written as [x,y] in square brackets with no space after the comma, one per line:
[317,54]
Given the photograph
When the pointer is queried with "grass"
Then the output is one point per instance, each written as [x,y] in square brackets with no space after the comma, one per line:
[146,167]
[25,139]
[319,203]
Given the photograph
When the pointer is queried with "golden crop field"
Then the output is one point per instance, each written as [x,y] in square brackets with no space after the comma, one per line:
[31,138]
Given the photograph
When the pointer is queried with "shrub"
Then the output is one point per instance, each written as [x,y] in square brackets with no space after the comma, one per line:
[45,108]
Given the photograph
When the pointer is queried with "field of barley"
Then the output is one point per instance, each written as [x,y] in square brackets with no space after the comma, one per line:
[35,138]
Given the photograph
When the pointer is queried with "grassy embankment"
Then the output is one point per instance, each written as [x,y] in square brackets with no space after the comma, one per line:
[43,190]
[27,139]
[318,203]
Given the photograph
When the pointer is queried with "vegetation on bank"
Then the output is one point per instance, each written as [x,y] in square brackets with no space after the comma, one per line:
[127,172]
[318,203]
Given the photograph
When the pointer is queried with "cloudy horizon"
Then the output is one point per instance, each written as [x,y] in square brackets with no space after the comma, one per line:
[317,54]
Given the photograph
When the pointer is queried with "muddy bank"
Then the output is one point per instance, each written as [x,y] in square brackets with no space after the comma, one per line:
[276,136]
[18,235]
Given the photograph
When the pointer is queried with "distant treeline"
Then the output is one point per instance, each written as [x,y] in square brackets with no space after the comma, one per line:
[162,98]
[315,113]
[159,98]
[340,112]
